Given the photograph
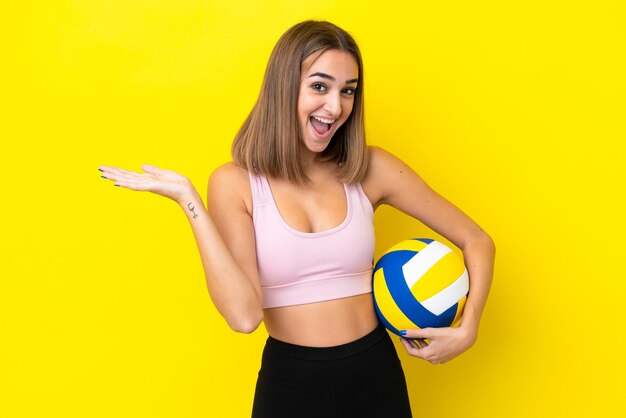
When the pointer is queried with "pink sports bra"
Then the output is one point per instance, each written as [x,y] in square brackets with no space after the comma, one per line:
[298,267]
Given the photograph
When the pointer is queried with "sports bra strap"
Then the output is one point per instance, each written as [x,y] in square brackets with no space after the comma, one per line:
[261,193]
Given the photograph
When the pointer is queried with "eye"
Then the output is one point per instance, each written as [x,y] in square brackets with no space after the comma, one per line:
[320,87]
[350,91]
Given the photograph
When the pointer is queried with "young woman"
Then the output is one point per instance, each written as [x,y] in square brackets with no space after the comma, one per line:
[288,237]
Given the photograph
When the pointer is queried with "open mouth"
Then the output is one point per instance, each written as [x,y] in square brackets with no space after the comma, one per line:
[321,125]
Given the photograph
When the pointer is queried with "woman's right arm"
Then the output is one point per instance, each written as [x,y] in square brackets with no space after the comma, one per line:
[225,238]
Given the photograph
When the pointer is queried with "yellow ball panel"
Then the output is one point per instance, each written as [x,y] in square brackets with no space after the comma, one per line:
[459,313]
[387,306]
[408,245]
[441,275]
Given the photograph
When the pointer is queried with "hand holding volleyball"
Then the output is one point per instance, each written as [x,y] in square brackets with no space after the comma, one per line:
[420,287]
[443,343]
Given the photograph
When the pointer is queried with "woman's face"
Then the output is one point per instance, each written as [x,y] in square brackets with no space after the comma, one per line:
[327,86]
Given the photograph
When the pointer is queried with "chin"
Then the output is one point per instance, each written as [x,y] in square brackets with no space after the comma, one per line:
[315,146]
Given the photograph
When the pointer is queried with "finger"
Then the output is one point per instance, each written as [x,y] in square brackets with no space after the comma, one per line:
[419,333]
[424,353]
[118,174]
[417,344]
[141,184]
[412,348]
[409,345]
[118,178]
[124,173]
[112,173]
[421,343]
[414,343]
[107,168]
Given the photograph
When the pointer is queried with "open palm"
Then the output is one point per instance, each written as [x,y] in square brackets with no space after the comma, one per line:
[164,182]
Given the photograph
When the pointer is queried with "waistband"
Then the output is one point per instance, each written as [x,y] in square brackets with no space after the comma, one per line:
[328,353]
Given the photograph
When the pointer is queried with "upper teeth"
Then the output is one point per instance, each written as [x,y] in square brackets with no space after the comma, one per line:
[328,121]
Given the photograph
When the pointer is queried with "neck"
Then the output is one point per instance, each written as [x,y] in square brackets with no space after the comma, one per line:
[309,160]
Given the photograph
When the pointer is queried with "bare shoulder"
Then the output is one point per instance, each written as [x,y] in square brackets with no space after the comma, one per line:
[383,170]
[229,174]
[381,159]
[229,182]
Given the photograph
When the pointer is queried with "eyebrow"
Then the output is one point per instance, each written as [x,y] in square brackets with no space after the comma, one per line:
[330,77]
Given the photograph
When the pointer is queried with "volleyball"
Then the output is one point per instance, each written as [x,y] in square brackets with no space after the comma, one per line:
[419,283]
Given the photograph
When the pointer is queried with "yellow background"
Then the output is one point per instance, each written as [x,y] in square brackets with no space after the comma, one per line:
[512,110]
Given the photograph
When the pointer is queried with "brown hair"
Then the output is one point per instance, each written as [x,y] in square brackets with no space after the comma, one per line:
[269,142]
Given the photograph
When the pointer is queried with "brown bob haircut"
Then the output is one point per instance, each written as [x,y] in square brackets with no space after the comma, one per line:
[269,142]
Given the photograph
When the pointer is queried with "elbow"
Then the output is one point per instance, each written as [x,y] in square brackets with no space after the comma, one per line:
[490,246]
[247,324]
[489,242]
[483,240]
[245,327]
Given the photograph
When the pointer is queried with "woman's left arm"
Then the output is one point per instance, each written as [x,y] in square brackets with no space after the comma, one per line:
[390,181]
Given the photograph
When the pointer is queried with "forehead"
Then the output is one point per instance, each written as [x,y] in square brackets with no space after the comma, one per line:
[340,64]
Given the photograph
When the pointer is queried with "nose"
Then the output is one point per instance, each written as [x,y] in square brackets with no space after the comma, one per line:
[333,104]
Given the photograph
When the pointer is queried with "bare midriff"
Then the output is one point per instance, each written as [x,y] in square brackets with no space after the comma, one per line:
[323,324]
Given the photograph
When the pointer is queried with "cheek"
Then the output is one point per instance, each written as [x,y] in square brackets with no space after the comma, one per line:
[347,109]
[305,104]
[306,99]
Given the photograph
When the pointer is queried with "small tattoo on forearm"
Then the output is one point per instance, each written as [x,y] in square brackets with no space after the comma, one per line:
[192,208]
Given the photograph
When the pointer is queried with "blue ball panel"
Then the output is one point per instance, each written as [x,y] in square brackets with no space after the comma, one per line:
[394,258]
[446,317]
[401,293]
